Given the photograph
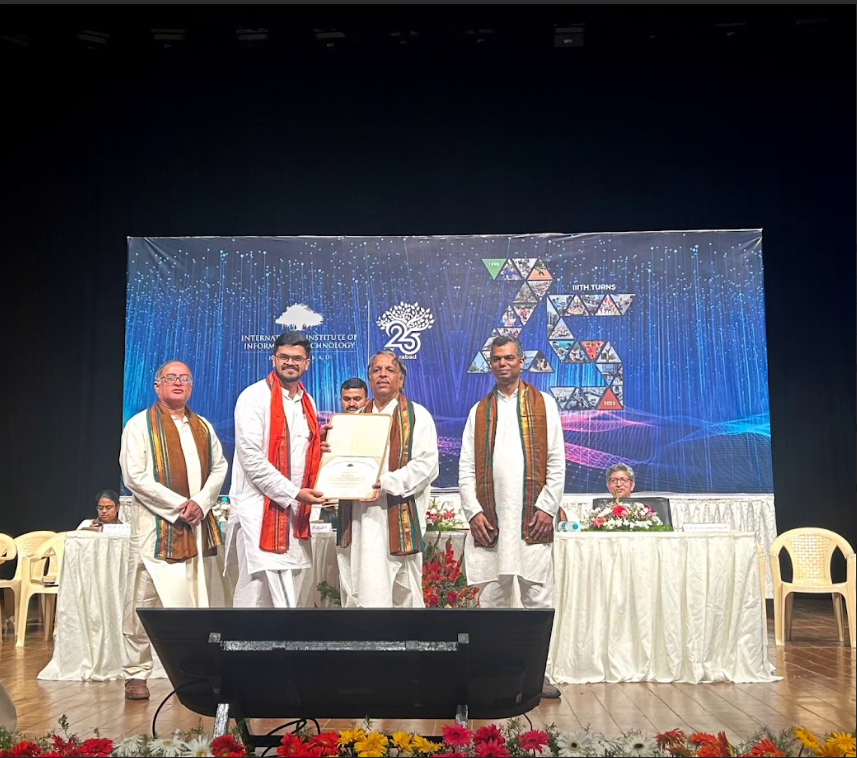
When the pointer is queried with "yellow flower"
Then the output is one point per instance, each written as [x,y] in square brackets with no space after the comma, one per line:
[423,746]
[843,742]
[807,739]
[373,745]
[402,741]
[828,750]
[347,736]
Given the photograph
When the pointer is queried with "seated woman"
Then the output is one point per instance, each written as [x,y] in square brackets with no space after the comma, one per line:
[107,508]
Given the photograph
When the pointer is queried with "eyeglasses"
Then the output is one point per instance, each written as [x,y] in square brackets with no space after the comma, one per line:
[290,359]
[177,379]
[618,480]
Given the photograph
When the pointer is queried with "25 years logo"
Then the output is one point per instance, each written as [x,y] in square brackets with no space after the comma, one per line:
[403,324]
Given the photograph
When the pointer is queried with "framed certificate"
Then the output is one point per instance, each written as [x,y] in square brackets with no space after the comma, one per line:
[358,443]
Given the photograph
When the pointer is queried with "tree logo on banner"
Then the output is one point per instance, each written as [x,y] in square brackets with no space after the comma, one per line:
[563,312]
[403,324]
[299,317]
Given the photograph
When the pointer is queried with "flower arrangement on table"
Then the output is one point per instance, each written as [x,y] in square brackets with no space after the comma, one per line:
[509,739]
[625,517]
[444,581]
[440,517]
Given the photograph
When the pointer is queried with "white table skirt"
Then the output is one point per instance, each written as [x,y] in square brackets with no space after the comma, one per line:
[745,513]
[90,603]
[660,607]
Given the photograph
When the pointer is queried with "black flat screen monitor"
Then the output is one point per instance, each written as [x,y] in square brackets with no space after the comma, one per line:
[505,668]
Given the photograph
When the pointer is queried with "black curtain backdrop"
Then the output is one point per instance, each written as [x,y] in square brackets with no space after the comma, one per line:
[662,120]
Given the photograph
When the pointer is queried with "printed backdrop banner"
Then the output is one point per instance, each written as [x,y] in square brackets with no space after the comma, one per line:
[652,343]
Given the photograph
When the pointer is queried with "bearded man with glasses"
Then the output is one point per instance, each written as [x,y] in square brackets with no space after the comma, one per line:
[173,464]
[277,456]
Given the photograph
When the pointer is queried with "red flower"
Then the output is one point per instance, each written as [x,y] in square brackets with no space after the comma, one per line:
[457,735]
[451,597]
[328,742]
[534,740]
[669,739]
[25,748]
[227,745]
[432,600]
[765,747]
[620,511]
[291,745]
[96,748]
[491,748]
[490,732]
[598,522]
[711,750]
[702,738]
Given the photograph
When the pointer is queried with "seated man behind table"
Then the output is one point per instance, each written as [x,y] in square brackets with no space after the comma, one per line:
[620,481]
[107,510]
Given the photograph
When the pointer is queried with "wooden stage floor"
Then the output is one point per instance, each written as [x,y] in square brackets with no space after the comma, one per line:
[817,691]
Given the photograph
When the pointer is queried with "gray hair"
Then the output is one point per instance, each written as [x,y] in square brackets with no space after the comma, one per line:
[402,370]
[160,372]
[504,340]
[620,467]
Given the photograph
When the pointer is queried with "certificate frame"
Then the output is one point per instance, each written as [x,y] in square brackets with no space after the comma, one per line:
[359,446]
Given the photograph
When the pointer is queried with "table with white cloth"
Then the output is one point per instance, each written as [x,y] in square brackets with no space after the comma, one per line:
[659,607]
[752,512]
[90,606]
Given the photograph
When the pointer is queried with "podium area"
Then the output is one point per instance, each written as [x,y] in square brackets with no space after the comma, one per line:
[817,692]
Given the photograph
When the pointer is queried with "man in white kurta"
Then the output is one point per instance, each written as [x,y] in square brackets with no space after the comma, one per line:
[271,579]
[153,581]
[377,578]
[512,561]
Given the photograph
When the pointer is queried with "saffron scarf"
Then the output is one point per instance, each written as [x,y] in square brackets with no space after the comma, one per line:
[403,523]
[532,422]
[176,543]
[275,520]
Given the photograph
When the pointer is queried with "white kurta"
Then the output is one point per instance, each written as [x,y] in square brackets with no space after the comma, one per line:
[378,579]
[172,580]
[254,477]
[511,556]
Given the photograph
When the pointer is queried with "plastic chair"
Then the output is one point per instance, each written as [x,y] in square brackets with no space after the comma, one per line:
[810,550]
[25,544]
[42,578]
[8,552]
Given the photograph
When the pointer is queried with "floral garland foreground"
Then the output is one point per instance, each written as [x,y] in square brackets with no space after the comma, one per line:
[512,739]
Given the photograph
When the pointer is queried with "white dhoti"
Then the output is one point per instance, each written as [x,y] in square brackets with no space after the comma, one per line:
[373,577]
[376,579]
[266,579]
[153,582]
[512,566]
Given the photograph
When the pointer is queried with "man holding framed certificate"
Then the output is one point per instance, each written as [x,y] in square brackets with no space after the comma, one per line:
[277,455]
[385,531]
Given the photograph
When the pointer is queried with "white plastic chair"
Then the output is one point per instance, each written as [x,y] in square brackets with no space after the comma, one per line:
[8,552]
[45,570]
[25,544]
[810,550]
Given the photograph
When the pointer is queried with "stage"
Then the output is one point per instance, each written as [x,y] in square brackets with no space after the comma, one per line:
[817,691]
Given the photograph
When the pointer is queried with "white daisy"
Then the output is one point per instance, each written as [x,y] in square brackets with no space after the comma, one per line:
[636,744]
[198,746]
[574,743]
[128,746]
[169,747]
